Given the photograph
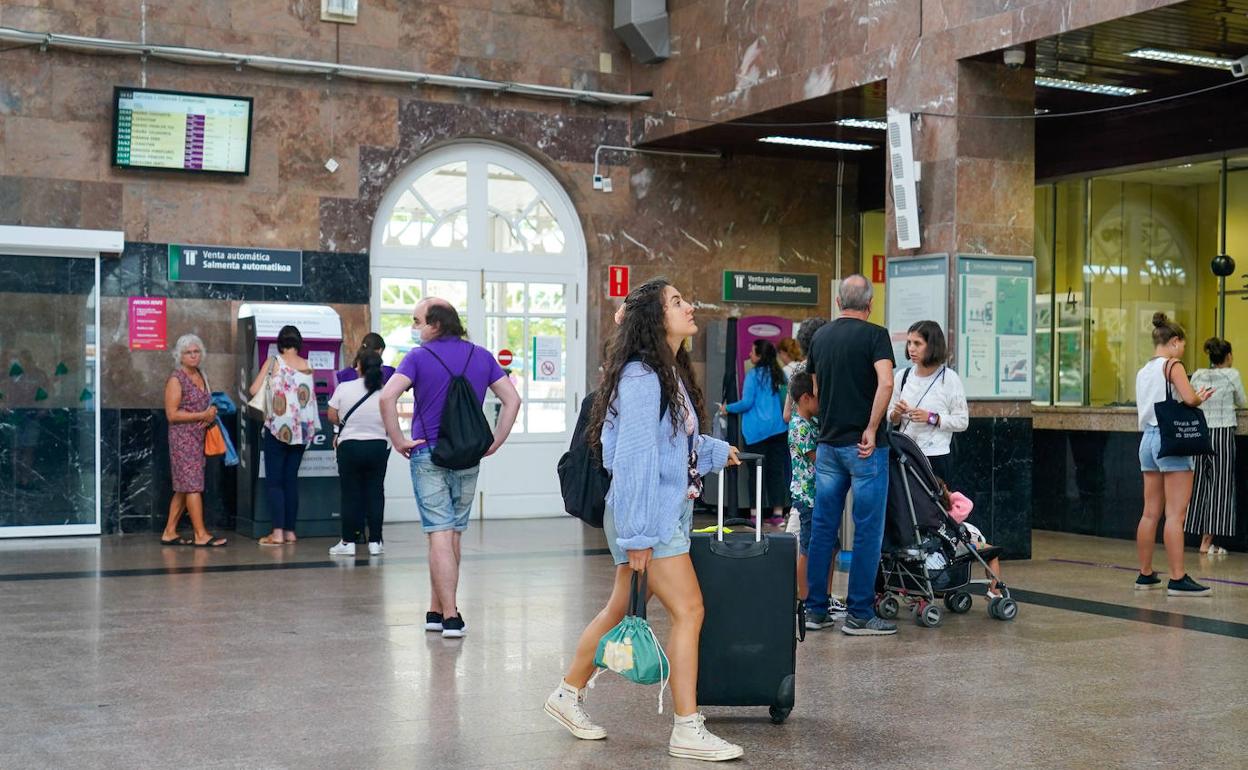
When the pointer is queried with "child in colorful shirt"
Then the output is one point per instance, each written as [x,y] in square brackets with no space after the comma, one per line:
[803,441]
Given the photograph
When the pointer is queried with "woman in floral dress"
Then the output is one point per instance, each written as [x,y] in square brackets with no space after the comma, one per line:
[291,421]
[189,409]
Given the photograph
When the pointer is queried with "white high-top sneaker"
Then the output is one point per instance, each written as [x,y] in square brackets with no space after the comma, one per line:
[564,706]
[691,740]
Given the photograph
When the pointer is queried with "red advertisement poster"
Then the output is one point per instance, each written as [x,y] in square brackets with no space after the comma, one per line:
[147,323]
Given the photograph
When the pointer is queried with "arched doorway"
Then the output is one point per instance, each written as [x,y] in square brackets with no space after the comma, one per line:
[492,232]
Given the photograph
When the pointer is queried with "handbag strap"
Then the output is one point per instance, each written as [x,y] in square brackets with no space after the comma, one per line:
[637,595]
[343,422]
[1166,368]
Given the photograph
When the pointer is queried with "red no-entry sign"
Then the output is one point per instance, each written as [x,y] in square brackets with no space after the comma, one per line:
[505,357]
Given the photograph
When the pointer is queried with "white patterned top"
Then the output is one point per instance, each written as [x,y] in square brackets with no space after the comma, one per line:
[1228,393]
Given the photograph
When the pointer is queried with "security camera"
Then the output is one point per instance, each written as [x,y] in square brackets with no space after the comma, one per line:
[1239,67]
[1015,57]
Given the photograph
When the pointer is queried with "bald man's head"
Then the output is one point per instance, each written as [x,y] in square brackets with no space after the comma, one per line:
[436,318]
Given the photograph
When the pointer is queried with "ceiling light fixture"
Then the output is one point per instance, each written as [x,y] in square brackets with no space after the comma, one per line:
[1089,88]
[874,125]
[821,144]
[1175,57]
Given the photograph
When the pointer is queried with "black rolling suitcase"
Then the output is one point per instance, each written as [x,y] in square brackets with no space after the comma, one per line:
[748,652]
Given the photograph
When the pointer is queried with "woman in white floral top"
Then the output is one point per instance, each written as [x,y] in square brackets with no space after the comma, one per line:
[291,421]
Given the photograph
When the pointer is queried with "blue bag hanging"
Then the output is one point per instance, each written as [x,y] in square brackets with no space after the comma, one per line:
[231,454]
[631,649]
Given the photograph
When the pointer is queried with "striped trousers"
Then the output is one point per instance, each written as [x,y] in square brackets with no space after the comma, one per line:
[1212,509]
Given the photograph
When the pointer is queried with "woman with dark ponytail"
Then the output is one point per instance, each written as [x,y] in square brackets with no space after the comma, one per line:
[763,426]
[363,454]
[1212,510]
[372,343]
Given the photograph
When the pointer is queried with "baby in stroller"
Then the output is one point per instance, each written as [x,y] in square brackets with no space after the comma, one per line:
[927,552]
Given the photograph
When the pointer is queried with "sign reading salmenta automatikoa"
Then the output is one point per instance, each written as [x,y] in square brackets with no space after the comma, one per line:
[771,288]
[228,264]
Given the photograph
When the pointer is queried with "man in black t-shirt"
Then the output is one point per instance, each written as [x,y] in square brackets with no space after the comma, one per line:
[852,363]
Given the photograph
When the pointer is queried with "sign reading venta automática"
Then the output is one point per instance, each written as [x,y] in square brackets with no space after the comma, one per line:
[771,288]
[228,264]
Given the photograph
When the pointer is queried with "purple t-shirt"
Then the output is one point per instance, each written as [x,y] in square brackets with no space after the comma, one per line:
[430,380]
[349,374]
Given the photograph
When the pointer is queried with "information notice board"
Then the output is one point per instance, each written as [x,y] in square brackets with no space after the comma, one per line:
[181,131]
[996,309]
[917,289]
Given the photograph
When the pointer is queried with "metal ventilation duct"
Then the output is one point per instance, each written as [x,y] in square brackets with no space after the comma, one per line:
[643,26]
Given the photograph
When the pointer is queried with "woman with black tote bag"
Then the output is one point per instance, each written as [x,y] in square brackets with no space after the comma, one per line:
[1167,476]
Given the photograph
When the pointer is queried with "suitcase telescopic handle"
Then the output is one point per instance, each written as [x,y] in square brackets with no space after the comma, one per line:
[758,501]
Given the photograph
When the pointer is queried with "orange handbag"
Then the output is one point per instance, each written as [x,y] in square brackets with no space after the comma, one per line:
[214,442]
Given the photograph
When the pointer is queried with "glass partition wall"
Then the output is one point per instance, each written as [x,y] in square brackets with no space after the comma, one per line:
[49,405]
[1111,251]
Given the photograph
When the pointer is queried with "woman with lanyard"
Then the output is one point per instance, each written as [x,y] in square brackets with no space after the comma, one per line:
[363,455]
[929,403]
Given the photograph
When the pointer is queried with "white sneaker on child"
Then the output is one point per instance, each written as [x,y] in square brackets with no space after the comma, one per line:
[564,706]
[691,740]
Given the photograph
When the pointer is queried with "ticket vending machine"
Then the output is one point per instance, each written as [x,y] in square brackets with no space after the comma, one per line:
[320,511]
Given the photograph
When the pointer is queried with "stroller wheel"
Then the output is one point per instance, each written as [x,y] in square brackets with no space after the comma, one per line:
[888,607]
[959,602]
[1003,609]
[778,715]
[929,617]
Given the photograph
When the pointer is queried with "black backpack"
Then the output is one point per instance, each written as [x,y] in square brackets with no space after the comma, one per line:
[583,481]
[465,434]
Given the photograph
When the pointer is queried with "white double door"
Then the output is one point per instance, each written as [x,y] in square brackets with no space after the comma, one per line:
[513,316]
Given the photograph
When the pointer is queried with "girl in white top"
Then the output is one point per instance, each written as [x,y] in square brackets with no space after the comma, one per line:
[1167,480]
[929,402]
[363,455]
[1212,509]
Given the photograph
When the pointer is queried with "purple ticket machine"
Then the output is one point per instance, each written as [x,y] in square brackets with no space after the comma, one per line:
[757,327]
[320,511]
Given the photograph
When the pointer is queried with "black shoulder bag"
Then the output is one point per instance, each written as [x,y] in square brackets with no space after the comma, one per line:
[1184,431]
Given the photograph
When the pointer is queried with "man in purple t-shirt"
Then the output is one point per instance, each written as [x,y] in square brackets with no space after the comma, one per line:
[444,496]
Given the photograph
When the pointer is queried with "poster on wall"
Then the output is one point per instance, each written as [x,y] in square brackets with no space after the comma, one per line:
[918,290]
[148,323]
[996,301]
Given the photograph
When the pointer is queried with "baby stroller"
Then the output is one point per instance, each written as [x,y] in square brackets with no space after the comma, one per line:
[926,554]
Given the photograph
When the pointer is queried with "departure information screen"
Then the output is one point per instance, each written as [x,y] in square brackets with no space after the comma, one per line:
[181,131]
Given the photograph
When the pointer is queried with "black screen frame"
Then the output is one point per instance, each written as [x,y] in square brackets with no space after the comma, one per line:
[251,117]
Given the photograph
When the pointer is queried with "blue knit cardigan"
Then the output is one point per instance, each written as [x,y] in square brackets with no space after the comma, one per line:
[649,465]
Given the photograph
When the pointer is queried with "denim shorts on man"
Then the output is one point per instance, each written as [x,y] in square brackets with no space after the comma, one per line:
[443,496]
[677,544]
[1150,445]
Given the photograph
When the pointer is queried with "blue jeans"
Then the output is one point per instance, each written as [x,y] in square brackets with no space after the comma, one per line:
[837,468]
[281,480]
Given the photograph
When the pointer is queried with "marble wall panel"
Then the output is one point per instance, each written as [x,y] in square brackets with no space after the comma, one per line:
[993,465]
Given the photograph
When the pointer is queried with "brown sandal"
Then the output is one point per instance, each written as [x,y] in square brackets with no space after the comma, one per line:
[268,540]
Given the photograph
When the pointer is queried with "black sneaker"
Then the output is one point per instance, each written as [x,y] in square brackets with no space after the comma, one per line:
[876,626]
[1144,582]
[819,622]
[1185,586]
[453,628]
[433,621]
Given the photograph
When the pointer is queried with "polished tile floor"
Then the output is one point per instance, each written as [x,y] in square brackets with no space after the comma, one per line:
[117,653]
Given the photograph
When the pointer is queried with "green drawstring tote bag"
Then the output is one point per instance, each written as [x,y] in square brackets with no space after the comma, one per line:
[631,649]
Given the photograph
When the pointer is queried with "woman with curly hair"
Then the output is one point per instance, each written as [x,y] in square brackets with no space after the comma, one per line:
[657,461]
[291,420]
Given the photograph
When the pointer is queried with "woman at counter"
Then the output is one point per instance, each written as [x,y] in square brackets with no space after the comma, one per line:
[1167,480]
[763,426]
[189,409]
[291,420]
[1211,512]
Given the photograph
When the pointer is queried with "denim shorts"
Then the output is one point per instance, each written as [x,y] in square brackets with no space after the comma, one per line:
[677,544]
[1150,445]
[443,496]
